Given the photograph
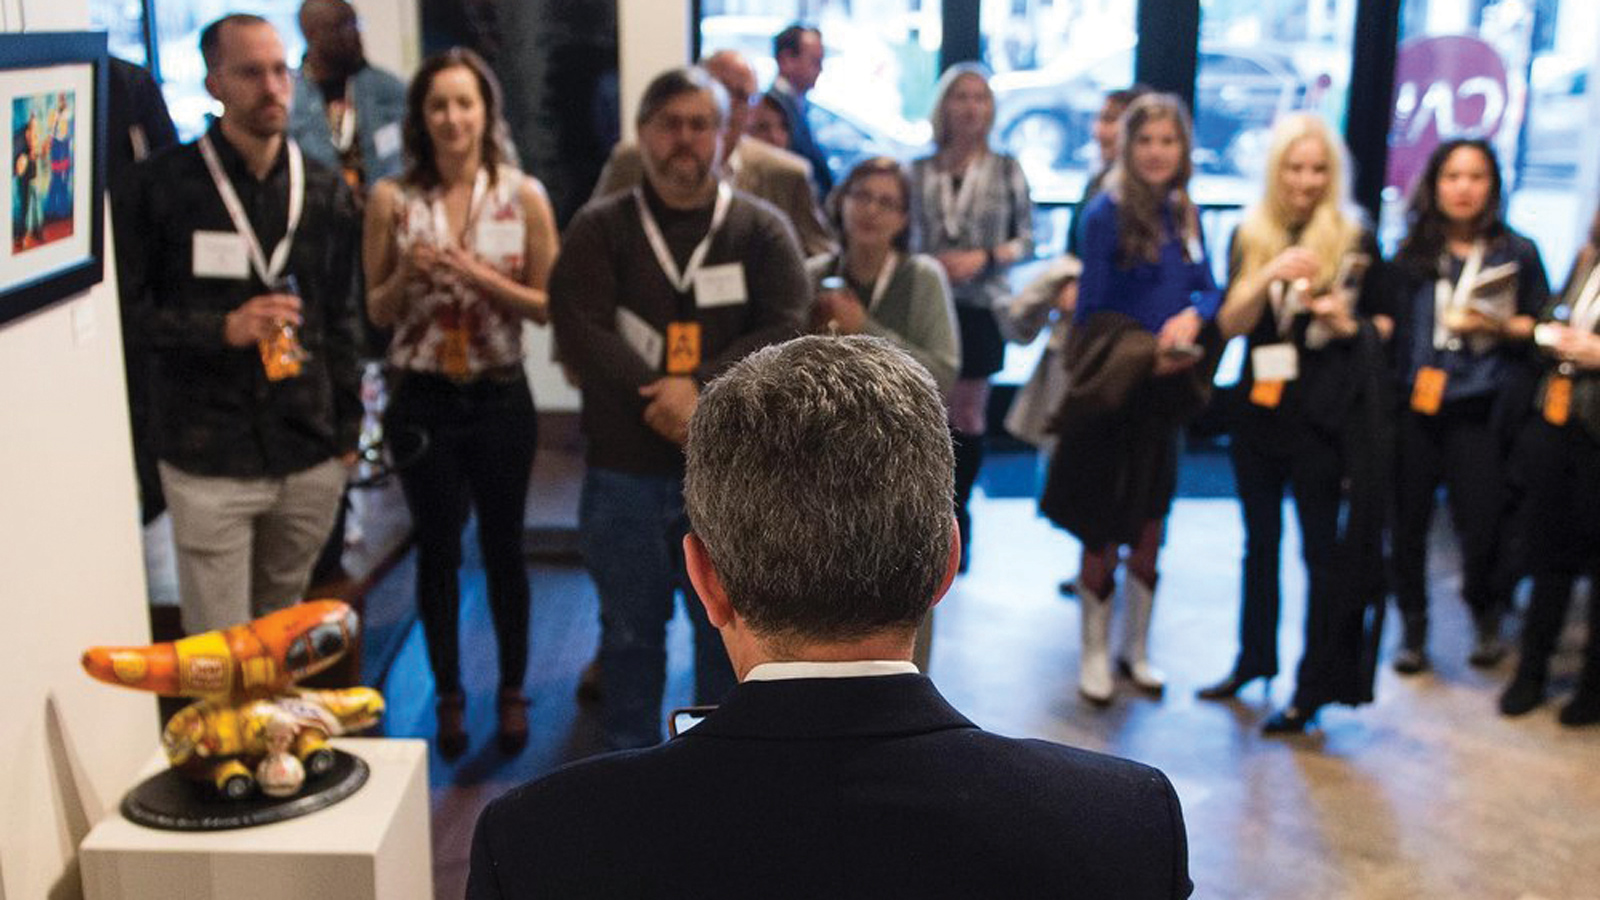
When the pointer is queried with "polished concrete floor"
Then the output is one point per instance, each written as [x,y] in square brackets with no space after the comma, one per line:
[1425,793]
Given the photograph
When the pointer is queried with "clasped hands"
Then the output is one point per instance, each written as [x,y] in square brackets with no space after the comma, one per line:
[672,401]
[454,260]
[1297,265]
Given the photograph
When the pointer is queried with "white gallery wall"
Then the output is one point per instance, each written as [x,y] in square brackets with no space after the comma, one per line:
[71,571]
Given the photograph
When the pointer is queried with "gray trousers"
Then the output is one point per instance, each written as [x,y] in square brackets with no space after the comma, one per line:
[245,546]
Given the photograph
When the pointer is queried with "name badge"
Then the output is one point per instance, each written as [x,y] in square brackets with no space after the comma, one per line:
[719,286]
[221,254]
[386,140]
[1427,392]
[1558,400]
[637,334]
[683,348]
[500,239]
[1275,362]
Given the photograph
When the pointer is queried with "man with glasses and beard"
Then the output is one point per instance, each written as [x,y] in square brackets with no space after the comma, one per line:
[656,291]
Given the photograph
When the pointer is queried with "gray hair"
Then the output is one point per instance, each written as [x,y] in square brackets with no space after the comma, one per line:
[681,80]
[819,479]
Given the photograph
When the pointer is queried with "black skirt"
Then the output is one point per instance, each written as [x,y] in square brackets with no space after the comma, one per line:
[983,349]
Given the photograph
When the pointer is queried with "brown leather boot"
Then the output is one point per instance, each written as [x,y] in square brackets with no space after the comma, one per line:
[512,712]
[452,732]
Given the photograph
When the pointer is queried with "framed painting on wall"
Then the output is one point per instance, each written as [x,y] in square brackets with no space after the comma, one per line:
[52,99]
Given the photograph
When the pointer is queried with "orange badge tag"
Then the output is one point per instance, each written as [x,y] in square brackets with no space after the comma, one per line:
[683,348]
[1267,394]
[453,354]
[1428,391]
[1558,400]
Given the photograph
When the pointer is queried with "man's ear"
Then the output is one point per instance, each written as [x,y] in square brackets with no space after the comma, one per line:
[703,575]
[211,87]
[952,564]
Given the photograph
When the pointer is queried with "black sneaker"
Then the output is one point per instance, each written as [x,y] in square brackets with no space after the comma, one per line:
[1411,661]
[1487,651]
[1583,710]
[1522,695]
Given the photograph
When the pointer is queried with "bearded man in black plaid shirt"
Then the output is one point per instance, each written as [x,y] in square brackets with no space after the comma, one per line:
[241,285]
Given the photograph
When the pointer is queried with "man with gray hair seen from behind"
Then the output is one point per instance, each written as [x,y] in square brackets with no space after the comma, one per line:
[818,486]
[656,291]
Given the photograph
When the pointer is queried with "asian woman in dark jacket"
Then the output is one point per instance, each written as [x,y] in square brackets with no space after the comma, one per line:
[1469,289]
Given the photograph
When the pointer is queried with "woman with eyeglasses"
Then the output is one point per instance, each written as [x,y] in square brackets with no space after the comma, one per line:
[1306,287]
[970,211]
[457,252]
[1468,290]
[1559,457]
[873,286]
[1141,329]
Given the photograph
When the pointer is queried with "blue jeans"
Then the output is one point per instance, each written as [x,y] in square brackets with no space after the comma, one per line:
[632,529]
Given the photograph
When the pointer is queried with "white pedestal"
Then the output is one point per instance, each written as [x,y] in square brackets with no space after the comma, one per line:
[373,844]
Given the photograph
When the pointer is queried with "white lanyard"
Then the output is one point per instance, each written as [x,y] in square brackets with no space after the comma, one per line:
[682,281]
[1279,306]
[1448,298]
[1585,313]
[442,237]
[881,283]
[956,205]
[268,272]
[345,132]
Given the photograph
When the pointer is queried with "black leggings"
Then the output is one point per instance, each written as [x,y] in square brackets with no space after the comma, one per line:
[1263,465]
[1460,448]
[481,438]
[1563,467]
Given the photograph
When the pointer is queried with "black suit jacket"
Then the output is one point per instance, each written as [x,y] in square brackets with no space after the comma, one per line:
[855,787]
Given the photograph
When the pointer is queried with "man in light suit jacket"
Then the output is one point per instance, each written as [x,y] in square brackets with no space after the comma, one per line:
[818,486]
[776,176]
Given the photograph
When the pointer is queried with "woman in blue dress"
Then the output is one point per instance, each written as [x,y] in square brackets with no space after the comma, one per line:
[1146,301]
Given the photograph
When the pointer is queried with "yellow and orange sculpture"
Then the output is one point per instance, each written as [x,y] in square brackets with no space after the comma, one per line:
[244,678]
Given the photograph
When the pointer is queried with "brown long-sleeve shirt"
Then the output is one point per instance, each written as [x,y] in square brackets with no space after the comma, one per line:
[606,264]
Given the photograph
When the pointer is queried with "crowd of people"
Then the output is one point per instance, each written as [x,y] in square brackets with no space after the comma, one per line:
[334,204]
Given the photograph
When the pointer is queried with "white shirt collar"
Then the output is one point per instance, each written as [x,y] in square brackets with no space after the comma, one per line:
[866,668]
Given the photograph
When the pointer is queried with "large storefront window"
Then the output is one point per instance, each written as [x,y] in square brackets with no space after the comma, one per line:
[1258,60]
[123,23]
[1515,74]
[1054,61]
[880,62]
[183,72]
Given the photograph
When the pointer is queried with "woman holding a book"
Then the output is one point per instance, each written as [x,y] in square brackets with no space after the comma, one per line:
[1306,286]
[1469,289]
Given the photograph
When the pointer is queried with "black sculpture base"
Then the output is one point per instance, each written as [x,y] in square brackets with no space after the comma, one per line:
[172,801]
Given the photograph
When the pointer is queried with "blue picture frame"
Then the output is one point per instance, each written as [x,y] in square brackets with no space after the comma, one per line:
[53,100]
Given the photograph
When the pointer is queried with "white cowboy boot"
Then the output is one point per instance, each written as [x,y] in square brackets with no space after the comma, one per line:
[1094,662]
[1134,662]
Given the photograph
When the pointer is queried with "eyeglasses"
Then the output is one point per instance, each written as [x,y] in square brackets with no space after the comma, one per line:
[883,202]
[695,125]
